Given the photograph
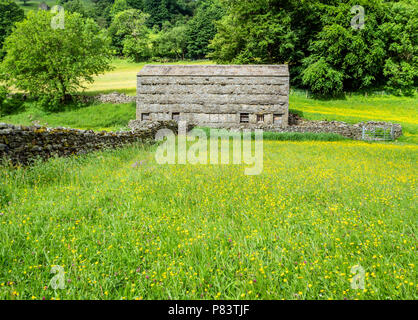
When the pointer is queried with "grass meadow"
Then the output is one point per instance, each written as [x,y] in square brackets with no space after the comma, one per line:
[127,231]
[124,227]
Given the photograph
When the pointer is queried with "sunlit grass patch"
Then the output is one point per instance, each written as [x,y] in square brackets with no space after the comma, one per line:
[124,76]
[357,108]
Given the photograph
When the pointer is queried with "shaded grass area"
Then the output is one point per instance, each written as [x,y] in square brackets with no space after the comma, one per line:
[109,117]
[209,232]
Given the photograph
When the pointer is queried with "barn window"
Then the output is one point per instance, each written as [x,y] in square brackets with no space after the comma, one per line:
[175,116]
[277,118]
[260,117]
[244,118]
[145,117]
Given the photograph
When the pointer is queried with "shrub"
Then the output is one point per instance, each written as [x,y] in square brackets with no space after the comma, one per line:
[323,79]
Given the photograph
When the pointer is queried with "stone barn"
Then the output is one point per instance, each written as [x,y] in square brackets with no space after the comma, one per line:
[217,96]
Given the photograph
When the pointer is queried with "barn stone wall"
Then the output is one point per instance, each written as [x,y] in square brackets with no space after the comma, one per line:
[215,96]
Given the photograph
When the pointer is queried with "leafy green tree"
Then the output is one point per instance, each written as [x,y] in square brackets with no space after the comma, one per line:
[136,4]
[201,29]
[257,32]
[158,12]
[401,33]
[119,6]
[130,32]
[316,39]
[170,42]
[358,55]
[74,6]
[322,79]
[102,9]
[383,53]
[57,62]
[165,10]
[10,13]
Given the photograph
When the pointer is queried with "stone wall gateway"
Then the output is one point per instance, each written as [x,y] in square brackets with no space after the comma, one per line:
[218,96]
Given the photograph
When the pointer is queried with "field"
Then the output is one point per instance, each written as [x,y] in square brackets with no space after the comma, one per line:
[122,231]
[123,77]
[124,227]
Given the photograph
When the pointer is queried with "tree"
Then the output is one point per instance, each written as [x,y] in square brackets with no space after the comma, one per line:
[383,53]
[315,37]
[57,62]
[74,6]
[165,10]
[102,8]
[257,32]
[322,79]
[130,34]
[118,6]
[170,42]
[10,13]
[201,29]
[358,55]
[136,4]
[401,32]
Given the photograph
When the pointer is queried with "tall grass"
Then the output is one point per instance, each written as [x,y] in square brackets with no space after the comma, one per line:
[124,227]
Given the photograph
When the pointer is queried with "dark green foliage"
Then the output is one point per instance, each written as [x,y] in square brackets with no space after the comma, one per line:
[316,39]
[10,13]
[160,11]
[102,12]
[401,32]
[259,32]
[136,4]
[322,79]
[201,29]
[3,96]
[10,103]
[79,7]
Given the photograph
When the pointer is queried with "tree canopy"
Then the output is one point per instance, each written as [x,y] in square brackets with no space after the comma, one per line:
[314,37]
[58,61]
[10,13]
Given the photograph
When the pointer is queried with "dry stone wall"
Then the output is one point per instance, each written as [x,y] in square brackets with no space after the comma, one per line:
[216,96]
[351,131]
[22,144]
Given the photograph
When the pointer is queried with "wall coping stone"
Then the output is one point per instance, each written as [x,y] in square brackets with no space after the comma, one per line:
[215,70]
